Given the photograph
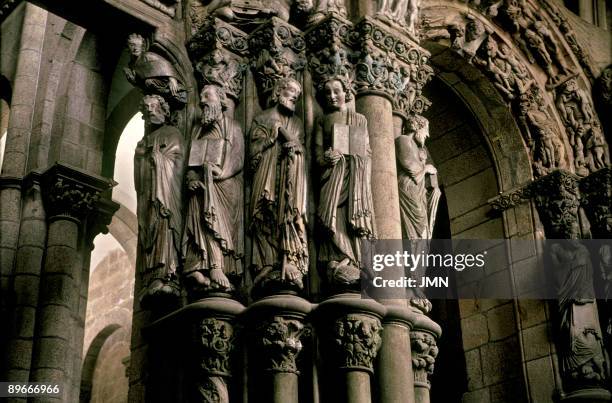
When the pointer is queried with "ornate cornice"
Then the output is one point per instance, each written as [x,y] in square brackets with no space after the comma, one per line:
[279,344]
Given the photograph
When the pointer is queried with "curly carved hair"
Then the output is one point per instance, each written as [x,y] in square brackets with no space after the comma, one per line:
[280,85]
[220,94]
[165,107]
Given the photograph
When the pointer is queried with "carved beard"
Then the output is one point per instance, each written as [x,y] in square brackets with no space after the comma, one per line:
[286,103]
[211,113]
[420,137]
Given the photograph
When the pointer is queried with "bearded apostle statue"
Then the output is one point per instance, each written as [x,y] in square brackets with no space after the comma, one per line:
[158,168]
[345,209]
[278,198]
[212,237]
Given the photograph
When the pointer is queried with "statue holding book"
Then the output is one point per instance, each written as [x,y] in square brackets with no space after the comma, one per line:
[278,198]
[212,238]
[345,209]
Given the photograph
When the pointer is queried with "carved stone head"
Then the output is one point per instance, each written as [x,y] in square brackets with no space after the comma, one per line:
[285,94]
[136,44]
[155,110]
[337,92]
[419,126]
[473,30]
[213,102]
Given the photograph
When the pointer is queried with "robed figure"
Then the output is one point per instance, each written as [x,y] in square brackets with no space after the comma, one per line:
[158,167]
[278,196]
[212,238]
[345,210]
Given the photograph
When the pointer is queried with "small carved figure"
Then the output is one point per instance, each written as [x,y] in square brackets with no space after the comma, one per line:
[404,13]
[152,73]
[243,12]
[345,208]
[547,147]
[466,41]
[212,240]
[582,352]
[324,7]
[158,165]
[278,199]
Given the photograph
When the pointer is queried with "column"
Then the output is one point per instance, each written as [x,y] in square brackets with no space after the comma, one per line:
[423,338]
[350,330]
[72,198]
[557,198]
[276,328]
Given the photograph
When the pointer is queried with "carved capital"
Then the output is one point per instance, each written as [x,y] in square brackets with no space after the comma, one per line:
[277,51]
[72,192]
[356,340]
[596,192]
[278,342]
[511,199]
[391,65]
[557,200]
[218,52]
[424,352]
[215,342]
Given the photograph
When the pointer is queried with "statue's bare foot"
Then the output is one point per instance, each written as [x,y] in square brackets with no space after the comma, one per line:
[196,278]
[218,277]
[292,273]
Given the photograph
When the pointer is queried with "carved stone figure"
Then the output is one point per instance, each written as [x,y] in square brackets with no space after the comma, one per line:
[322,8]
[278,198]
[356,340]
[404,13]
[419,194]
[583,360]
[584,129]
[418,184]
[345,209]
[152,73]
[212,238]
[214,345]
[245,12]
[424,352]
[158,168]
[279,344]
[466,41]
[548,151]
[511,77]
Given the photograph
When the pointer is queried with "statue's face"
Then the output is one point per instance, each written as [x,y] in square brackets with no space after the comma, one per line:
[211,105]
[152,111]
[136,45]
[335,95]
[288,96]
[473,30]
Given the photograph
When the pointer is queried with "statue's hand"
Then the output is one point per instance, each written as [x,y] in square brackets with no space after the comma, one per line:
[129,74]
[292,146]
[332,156]
[285,134]
[430,169]
[194,185]
[173,86]
[215,170]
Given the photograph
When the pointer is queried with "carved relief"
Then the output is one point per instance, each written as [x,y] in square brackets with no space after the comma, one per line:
[215,344]
[158,165]
[403,13]
[466,41]
[508,73]
[165,6]
[279,342]
[583,360]
[244,14]
[212,238]
[345,211]
[583,127]
[278,196]
[277,51]
[534,37]
[424,352]
[319,9]
[356,340]
[596,190]
[557,200]
[547,148]
[153,73]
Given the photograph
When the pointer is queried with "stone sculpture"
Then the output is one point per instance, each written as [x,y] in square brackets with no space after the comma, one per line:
[345,210]
[418,181]
[212,238]
[404,13]
[152,73]
[158,167]
[278,196]
[583,361]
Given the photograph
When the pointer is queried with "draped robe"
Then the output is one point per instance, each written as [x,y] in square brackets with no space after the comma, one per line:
[346,209]
[278,197]
[158,180]
[212,237]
